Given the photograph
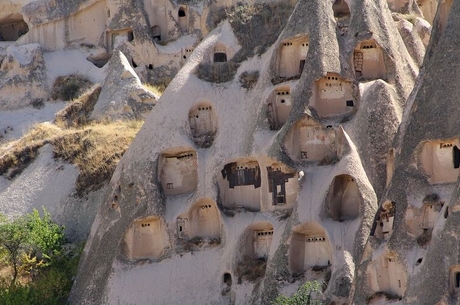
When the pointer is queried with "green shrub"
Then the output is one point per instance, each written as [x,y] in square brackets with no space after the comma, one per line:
[33,246]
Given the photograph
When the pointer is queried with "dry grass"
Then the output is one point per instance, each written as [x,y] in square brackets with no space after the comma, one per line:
[158,90]
[77,113]
[95,149]
[70,87]
[250,269]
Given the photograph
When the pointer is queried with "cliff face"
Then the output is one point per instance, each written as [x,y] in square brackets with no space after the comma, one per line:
[326,167]
[297,141]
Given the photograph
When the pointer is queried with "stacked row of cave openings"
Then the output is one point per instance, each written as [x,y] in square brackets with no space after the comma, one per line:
[291,57]
[343,200]
[183,22]
[203,123]
[309,249]
[114,35]
[178,171]
[368,61]
[440,160]
[384,219]
[255,246]
[279,107]
[308,140]
[156,32]
[145,239]
[202,221]
[333,95]
[240,185]
[387,274]
[12,28]
[342,15]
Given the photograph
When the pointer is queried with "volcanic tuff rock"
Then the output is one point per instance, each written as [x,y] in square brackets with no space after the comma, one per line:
[122,96]
[338,162]
[22,76]
[324,114]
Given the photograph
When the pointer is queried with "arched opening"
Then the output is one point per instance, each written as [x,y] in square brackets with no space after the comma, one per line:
[454,279]
[310,141]
[240,183]
[12,29]
[343,199]
[115,37]
[204,220]
[145,238]
[279,107]
[254,251]
[428,8]
[387,275]
[156,33]
[441,160]
[383,223]
[227,279]
[130,35]
[341,14]
[292,56]
[333,95]
[341,9]
[203,123]
[368,60]
[309,248]
[282,184]
[432,205]
[220,54]
[182,19]
[178,171]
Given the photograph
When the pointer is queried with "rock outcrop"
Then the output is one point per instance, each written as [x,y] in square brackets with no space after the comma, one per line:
[288,188]
[22,76]
[122,96]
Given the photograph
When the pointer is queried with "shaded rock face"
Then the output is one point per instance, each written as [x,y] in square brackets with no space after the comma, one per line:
[331,167]
[22,76]
[122,96]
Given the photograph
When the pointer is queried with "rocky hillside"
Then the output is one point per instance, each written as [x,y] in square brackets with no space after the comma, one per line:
[294,141]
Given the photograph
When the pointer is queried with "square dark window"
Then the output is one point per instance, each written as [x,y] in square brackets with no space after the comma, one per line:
[350,103]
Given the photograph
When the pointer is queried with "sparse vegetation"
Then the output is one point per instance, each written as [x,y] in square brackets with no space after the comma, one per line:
[78,112]
[249,79]
[307,294]
[70,87]
[424,238]
[95,149]
[158,90]
[250,269]
[382,295]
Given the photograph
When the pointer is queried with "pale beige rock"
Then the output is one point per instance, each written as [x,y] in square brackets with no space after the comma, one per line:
[122,96]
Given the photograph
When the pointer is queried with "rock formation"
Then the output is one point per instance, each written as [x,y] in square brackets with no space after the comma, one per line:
[297,141]
[122,94]
[288,187]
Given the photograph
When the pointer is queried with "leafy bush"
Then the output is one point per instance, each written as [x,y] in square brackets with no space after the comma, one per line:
[34,248]
[32,239]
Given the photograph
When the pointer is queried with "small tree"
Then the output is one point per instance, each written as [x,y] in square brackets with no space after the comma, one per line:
[305,295]
[31,241]
[13,240]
